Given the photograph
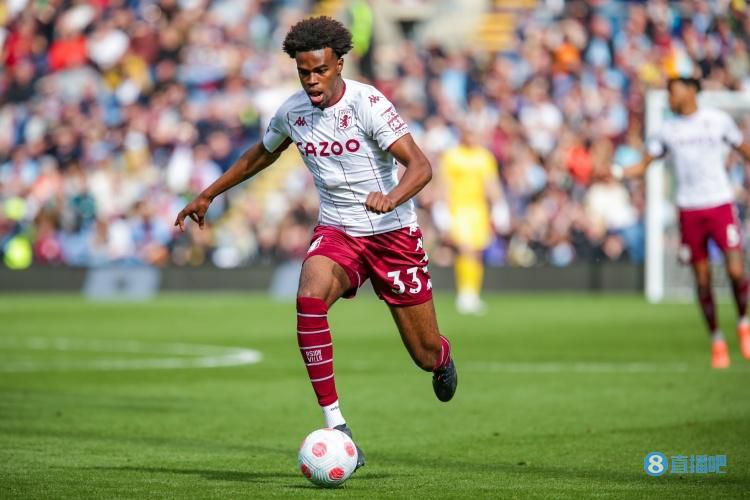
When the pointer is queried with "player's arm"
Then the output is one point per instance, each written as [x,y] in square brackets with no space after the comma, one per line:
[492,188]
[250,163]
[655,148]
[744,150]
[733,136]
[499,210]
[635,170]
[418,173]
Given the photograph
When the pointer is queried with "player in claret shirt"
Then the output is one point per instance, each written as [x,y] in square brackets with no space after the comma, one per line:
[697,142]
[348,135]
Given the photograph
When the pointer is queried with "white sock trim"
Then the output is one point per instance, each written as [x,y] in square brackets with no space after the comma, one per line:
[316,346]
[332,414]
[314,331]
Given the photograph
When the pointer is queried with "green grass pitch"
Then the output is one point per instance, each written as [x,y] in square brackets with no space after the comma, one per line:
[560,396]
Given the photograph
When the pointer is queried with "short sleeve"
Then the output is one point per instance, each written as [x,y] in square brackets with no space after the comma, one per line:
[731,133]
[384,124]
[655,146]
[275,133]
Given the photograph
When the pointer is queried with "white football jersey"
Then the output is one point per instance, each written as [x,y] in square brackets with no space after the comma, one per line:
[345,147]
[697,146]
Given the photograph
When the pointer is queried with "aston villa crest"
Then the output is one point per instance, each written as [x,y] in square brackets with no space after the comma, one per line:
[345,119]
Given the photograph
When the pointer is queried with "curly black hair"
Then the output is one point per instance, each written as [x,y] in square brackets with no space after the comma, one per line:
[317,33]
[689,81]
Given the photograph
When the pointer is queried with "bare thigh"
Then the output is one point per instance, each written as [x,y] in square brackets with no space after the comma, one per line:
[735,264]
[324,279]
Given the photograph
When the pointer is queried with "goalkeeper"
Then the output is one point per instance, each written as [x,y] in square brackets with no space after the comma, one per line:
[474,204]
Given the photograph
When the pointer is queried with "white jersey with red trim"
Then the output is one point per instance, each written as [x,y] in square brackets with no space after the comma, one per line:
[345,147]
[698,145]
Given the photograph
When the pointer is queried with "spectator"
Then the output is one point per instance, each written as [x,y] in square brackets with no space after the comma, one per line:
[111,113]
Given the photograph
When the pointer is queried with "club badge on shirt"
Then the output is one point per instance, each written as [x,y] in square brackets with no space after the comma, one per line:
[345,119]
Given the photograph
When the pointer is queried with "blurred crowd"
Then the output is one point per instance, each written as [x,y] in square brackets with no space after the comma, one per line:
[114,113]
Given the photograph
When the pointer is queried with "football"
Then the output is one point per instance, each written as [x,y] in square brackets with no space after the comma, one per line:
[327,457]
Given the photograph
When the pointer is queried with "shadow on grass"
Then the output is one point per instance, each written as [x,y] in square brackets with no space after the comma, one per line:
[212,475]
[231,475]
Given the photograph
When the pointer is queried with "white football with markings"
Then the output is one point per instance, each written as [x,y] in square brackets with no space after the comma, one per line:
[327,457]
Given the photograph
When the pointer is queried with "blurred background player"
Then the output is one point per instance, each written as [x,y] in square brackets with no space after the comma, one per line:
[471,187]
[348,135]
[697,140]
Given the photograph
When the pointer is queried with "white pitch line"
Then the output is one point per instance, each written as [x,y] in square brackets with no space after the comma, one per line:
[193,355]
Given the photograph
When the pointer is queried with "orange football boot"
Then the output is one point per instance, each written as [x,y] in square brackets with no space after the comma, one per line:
[743,334]
[719,354]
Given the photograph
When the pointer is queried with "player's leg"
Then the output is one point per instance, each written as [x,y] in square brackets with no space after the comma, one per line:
[724,229]
[696,229]
[704,290]
[471,234]
[322,282]
[419,331]
[431,351]
[397,265]
[736,272]
[469,270]
[725,232]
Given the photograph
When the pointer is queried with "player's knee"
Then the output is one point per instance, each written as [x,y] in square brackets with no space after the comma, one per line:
[309,293]
[736,272]
[736,277]
[308,300]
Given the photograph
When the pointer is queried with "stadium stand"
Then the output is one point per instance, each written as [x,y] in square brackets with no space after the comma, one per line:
[114,112]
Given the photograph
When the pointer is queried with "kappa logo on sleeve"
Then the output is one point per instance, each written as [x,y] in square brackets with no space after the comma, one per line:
[374,99]
[300,122]
[394,120]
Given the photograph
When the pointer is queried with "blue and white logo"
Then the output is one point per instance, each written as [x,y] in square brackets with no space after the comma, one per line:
[655,463]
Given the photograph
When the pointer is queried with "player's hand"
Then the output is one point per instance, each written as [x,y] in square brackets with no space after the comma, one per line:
[379,203]
[441,216]
[618,171]
[500,215]
[196,210]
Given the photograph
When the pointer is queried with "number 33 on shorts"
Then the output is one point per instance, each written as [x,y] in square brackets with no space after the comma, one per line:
[414,282]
